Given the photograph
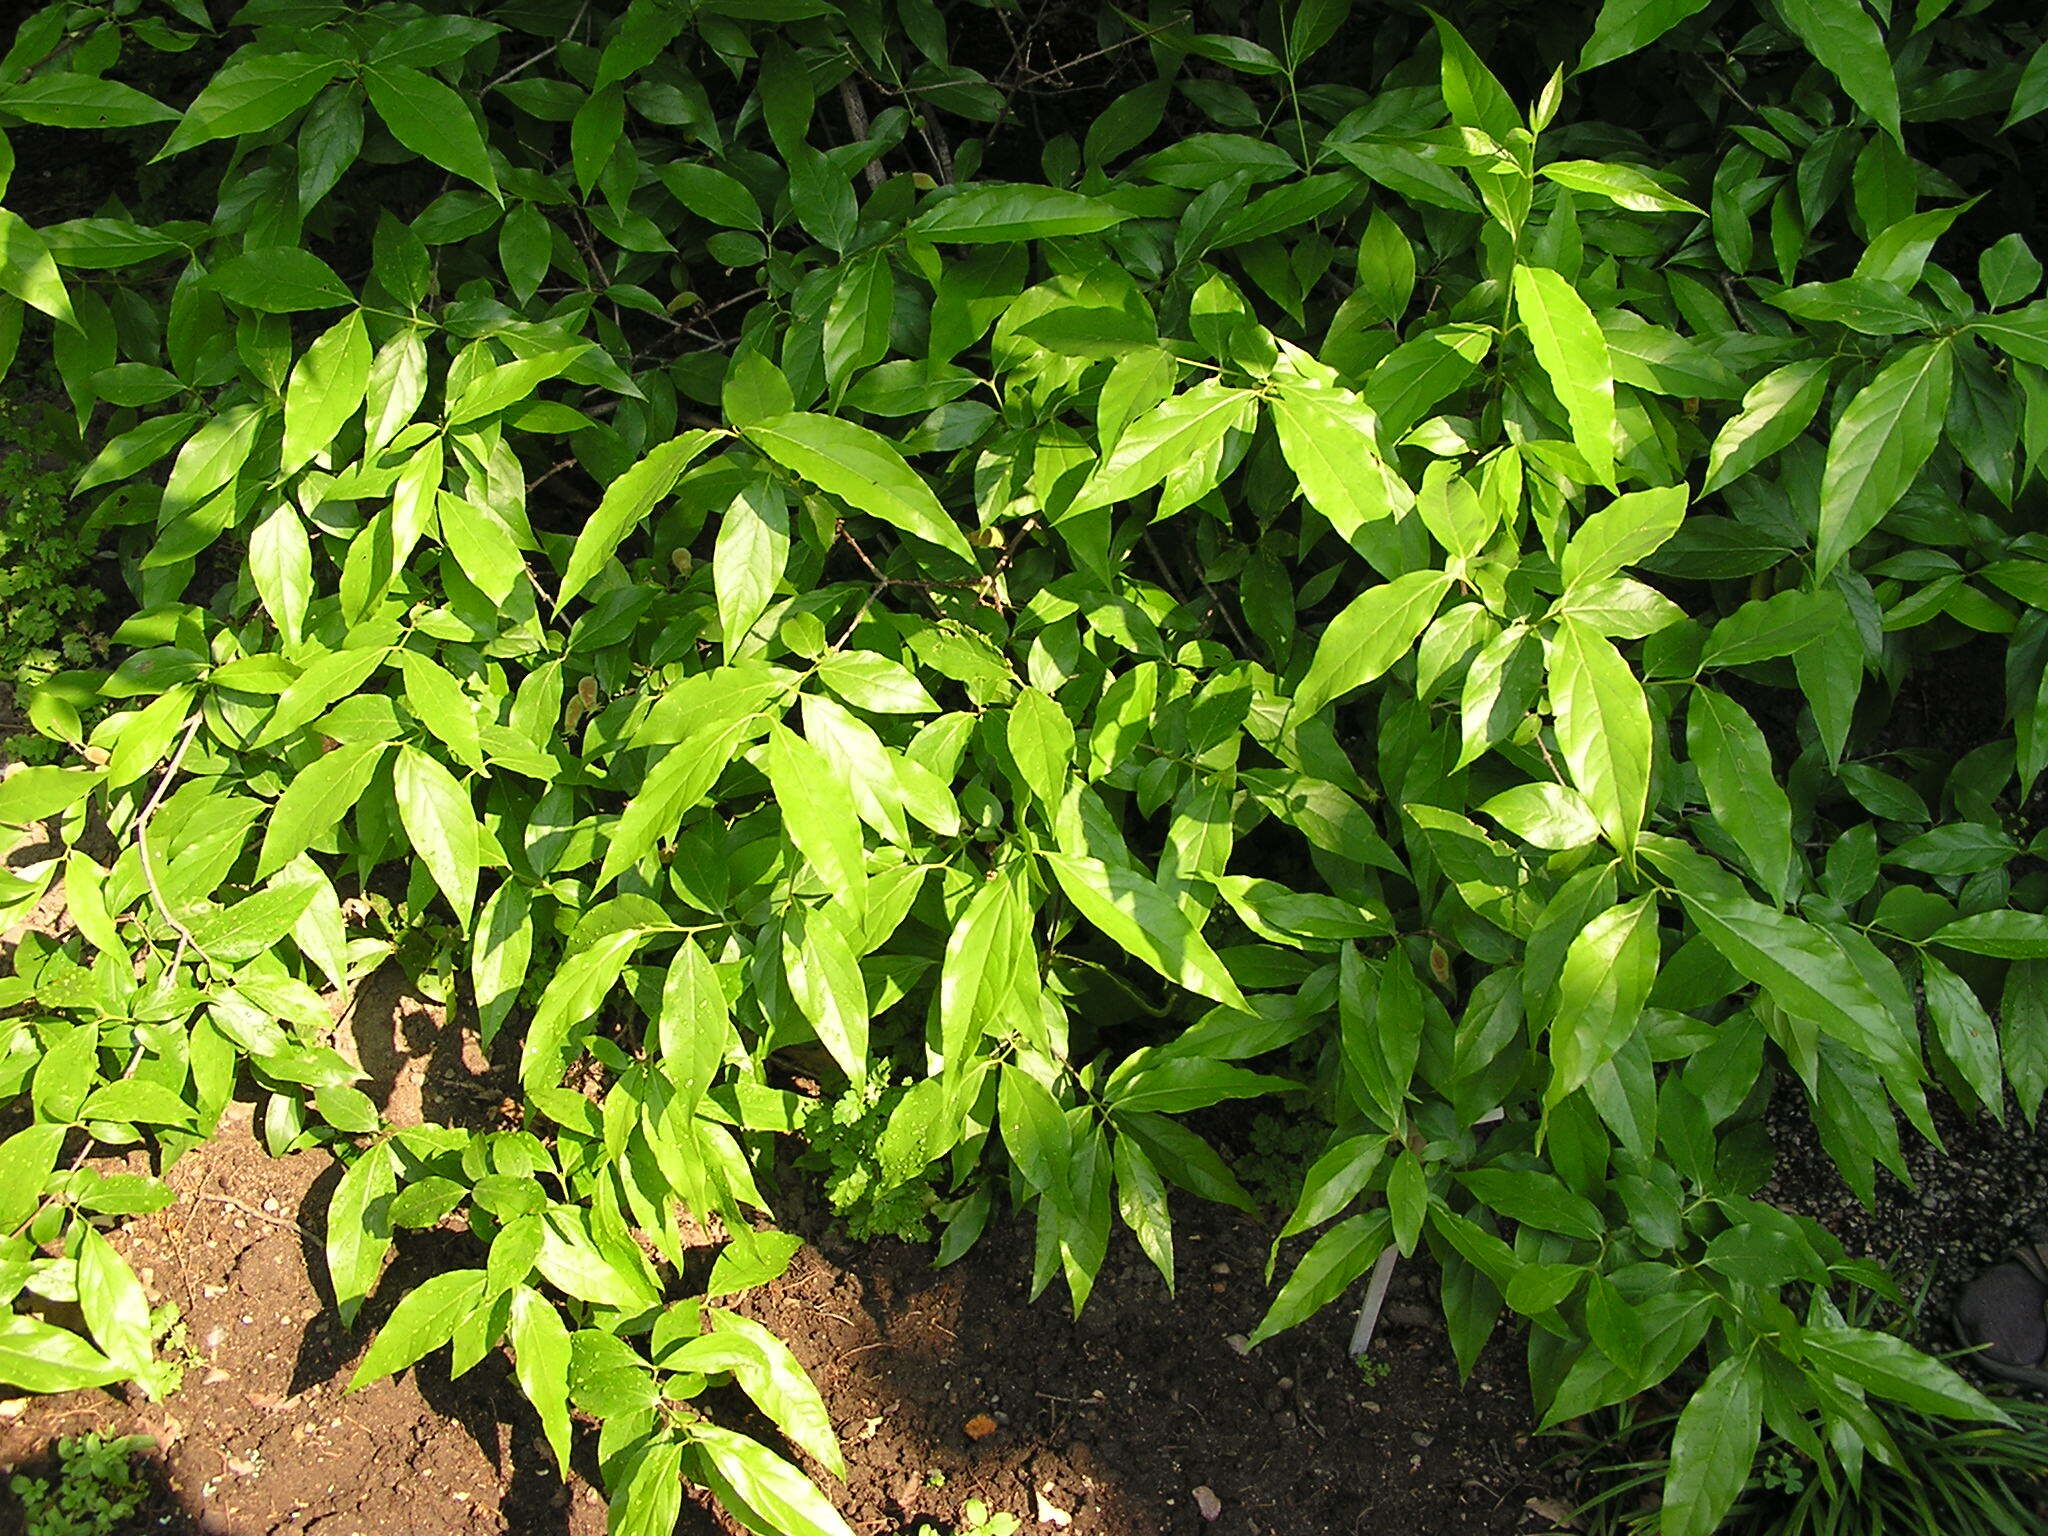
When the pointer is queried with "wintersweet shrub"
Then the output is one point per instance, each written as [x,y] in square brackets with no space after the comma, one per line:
[823,546]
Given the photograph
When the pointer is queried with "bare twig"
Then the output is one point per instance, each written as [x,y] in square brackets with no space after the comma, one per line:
[857,125]
[156,892]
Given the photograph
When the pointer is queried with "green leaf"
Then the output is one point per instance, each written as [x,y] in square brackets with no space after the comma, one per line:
[1883,438]
[39,1358]
[1141,1201]
[280,280]
[319,795]
[326,390]
[1607,975]
[766,1484]
[1803,969]
[1743,790]
[359,1227]
[81,101]
[677,781]
[424,1319]
[2030,96]
[1181,430]
[1844,37]
[1713,1447]
[764,1367]
[281,565]
[627,501]
[863,469]
[825,981]
[540,1359]
[1041,740]
[1623,185]
[28,271]
[1968,1037]
[748,558]
[990,213]
[2003,935]
[1475,97]
[1629,529]
[1374,631]
[508,384]
[1892,1368]
[1325,1272]
[1603,728]
[250,96]
[430,119]
[1572,350]
[440,824]
[1328,438]
[1625,26]
[1147,923]
[115,1306]
[818,814]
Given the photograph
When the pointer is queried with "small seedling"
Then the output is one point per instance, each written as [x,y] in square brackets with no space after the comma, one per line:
[98,1489]
[976,1520]
[1372,1372]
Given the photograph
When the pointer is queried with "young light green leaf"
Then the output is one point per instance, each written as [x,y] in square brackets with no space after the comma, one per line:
[441,825]
[627,501]
[1572,350]
[1743,790]
[430,119]
[748,557]
[1374,631]
[862,468]
[1603,728]
[1608,971]
[251,95]
[1879,446]
[424,1320]
[1147,923]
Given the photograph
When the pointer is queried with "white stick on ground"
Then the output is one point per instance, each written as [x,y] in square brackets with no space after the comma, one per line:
[1383,1276]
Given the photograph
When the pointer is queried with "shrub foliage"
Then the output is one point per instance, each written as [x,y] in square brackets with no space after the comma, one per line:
[1077,559]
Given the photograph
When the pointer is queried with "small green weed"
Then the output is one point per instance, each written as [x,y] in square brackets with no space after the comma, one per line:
[1372,1372]
[44,546]
[976,1520]
[98,1488]
[871,1198]
[1281,1147]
